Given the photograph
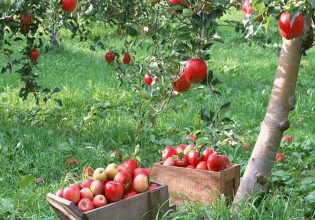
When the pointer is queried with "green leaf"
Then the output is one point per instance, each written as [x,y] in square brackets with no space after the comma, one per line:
[310,197]
[26,180]
[293,15]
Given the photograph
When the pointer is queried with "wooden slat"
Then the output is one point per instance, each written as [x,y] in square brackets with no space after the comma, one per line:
[142,206]
[195,185]
[66,209]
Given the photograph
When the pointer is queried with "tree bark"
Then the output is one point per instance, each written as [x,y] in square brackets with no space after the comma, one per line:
[276,121]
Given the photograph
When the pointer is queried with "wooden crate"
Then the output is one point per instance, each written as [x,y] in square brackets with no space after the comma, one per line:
[142,206]
[197,185]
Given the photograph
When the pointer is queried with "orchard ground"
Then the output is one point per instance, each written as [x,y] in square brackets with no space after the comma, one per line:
[36,141]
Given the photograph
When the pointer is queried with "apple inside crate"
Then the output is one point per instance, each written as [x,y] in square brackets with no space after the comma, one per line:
[197,185]
[145,205]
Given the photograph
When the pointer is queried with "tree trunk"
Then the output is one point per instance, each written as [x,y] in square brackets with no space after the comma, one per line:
[54,35]
[276,121]
[282,100]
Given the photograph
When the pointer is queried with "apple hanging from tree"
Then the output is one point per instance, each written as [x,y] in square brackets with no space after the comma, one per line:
[181,84]
[287,30]
[195,70]
[33,55]
[26,18]
[148,79]
[68,5]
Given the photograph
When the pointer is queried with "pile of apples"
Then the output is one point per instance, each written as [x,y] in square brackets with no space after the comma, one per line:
[189,157]
[108,185]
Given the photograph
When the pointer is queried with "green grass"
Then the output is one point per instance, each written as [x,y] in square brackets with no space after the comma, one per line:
[36,141]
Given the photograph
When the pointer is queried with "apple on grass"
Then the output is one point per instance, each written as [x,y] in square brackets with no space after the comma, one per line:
[99,201]
[141,183]
[85,205]
[97,187]
[111,171]
[86,193]
[113,191]
[100,174]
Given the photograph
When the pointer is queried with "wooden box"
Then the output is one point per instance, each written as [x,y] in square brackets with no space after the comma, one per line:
[197,185]
[142,206]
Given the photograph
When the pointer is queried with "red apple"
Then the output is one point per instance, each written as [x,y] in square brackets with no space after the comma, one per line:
[279,157]
[169,151]
[189,148]
[126,58]
[287,138]
[181,160]
[126,169]
[153,186]
[76,185]
[125,179]
[87,171]
[111,171]
[99,201]
[226,161]
[193,157]
[86,193]
[141,183]
[191,137]
[132,164]
[113,191]
[85,205]
[147,79]
[181,84]
[59,193]
[100,174]
[87,182]
[68,5]
[169,162]
[109,56]
[144,171]
[33,55]
[195,70]
[71,193]
[206,153]
[287,30]
[25,19]
[180,148]
[130,194]
[97,187]
[247,10]
[191,166]
[215,163]
[202,165]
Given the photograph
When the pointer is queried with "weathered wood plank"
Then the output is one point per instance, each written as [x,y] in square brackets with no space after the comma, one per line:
[196,185]
[142,206]
[67,210]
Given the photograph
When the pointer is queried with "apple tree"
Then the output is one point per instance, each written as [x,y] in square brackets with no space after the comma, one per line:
[295,23]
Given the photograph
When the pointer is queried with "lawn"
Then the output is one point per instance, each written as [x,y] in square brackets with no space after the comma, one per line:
[95,119]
